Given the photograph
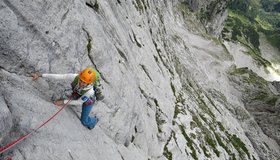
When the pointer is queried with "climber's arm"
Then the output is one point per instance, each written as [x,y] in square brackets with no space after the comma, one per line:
[59,76]
[37,75]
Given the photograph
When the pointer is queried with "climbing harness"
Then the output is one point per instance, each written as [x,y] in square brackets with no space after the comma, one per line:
[10,145]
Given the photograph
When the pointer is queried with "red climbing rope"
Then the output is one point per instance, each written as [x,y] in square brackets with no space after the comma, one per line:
[10,145]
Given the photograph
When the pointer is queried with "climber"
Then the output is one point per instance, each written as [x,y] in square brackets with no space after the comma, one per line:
[85,92]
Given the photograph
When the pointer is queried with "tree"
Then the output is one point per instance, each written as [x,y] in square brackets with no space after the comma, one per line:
[277,7]
[269,5]
[239,5]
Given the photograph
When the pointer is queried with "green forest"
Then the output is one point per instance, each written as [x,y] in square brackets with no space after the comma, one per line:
[247,18]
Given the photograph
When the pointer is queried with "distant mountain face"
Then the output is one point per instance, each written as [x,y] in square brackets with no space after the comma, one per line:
[248,18]
[210,13]
[255,24]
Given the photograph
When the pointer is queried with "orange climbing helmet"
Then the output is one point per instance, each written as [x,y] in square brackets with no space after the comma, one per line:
[88,75]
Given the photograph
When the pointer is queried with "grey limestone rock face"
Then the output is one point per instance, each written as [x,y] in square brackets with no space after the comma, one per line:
[6,120]
[276,84]
[167,91]
[260,100]
[211,13]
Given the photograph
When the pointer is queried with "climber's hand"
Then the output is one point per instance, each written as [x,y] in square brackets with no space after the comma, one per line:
[35,76]
[59,102]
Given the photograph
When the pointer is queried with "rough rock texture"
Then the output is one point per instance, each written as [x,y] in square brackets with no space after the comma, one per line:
[260,99]
[211,13]
[276,84]
[169,94]
[5,118]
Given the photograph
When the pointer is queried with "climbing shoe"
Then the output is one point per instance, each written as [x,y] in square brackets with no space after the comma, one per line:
[90,128]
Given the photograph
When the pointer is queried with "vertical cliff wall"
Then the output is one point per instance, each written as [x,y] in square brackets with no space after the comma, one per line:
[168,85]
